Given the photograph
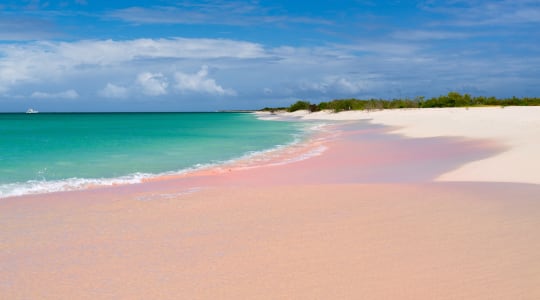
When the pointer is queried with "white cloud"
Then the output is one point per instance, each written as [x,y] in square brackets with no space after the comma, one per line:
[109,52]
[69,94]
[114,91]
[418,35]
[335,85]
[239,13]
[47,61]
[199,82]
[344,85]
[25,29]
[392,48]
[485,12]
[152,84]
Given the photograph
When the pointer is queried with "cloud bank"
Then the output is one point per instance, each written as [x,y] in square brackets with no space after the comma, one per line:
[272,54]
[69,94]
[114,91]
[151,68]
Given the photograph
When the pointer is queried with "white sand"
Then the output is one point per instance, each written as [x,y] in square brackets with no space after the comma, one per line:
[518,128]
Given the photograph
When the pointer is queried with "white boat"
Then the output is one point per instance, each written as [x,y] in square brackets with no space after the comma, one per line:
[31,111]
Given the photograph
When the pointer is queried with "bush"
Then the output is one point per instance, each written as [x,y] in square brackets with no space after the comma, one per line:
[452,99]
[299,105]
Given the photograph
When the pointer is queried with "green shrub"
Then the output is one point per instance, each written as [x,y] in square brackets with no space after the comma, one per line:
[299,105]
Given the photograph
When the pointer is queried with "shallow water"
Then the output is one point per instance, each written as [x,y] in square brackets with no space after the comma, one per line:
[51,152]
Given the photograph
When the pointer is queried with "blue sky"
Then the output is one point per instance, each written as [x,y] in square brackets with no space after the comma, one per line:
[86,55]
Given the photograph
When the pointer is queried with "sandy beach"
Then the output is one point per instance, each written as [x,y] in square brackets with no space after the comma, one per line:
[518,128]
[397,204]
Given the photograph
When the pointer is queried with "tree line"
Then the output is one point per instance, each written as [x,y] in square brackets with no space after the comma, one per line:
[452,99]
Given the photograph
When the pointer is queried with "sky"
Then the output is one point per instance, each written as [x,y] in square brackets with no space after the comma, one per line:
[165,55]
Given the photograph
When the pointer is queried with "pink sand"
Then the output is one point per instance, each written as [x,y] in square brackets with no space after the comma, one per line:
[361,220]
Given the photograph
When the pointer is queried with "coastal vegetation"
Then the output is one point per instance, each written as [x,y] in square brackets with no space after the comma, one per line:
[452,99]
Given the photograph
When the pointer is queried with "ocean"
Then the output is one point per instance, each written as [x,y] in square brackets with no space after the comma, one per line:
[49,152]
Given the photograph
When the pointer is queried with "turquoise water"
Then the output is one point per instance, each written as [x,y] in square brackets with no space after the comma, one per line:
[49,152]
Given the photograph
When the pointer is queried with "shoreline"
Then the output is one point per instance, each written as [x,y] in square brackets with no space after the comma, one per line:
[398,121]
[365,218]
[270,156]
[314,143]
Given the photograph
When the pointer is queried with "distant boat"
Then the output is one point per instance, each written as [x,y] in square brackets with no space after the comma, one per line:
[31,111]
